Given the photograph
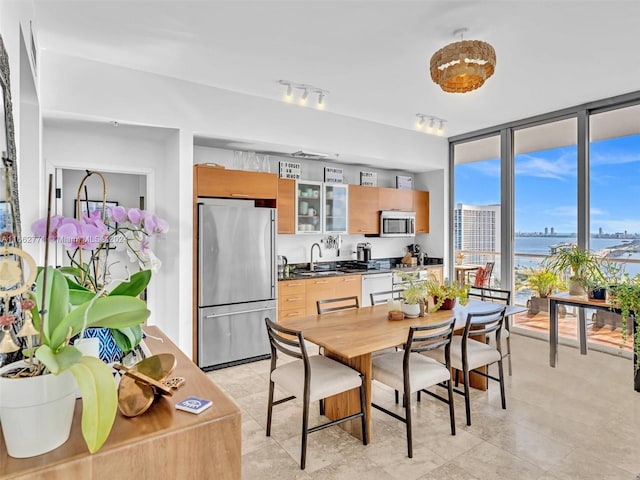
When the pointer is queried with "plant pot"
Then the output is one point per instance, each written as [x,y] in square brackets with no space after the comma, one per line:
[411,310]
[448,303]
[36,412]
[538,304]
[576,288]
[109,350]
[598,293]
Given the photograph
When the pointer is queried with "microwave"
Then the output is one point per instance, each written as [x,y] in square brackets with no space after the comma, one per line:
[395,223]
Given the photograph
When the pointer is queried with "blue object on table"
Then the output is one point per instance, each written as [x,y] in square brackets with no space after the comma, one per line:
[109,350]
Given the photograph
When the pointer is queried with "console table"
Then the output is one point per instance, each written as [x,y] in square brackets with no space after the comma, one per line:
[581,301]
[161,443]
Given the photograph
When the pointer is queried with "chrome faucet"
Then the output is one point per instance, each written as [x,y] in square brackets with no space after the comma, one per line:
[312,267]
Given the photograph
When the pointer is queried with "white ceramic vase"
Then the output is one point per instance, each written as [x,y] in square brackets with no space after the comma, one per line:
[36,412]
[411,310]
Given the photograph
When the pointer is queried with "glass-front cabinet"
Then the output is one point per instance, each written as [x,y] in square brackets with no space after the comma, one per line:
[309,203]
[336,206]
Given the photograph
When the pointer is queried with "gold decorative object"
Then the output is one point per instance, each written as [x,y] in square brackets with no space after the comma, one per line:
[141,383]
[463,66]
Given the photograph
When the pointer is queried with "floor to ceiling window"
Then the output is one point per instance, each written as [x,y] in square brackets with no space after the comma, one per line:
[477,228]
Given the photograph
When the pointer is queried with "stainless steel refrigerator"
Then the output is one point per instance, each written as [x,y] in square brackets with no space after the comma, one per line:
[236,281]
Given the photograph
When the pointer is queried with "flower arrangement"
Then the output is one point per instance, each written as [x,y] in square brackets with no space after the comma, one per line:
[445,291]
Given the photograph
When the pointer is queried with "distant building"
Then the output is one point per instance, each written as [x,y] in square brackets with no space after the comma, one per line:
[553,231]
[477,228]
[546,231]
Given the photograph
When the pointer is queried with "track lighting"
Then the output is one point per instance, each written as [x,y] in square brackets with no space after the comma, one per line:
[430,124]
[304,97]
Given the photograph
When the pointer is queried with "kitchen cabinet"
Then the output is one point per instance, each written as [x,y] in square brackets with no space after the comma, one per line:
[220,182]
[335,212]
[330,287]
[395,199]
[421,207]
[437,272]
[309,207]
[286,204]
[291,299]
[363,210]
[373,283]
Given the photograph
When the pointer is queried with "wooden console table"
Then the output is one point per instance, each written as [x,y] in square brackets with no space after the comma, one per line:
[161,443]
[581,301]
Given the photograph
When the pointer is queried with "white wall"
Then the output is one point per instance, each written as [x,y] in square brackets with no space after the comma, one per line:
[96,92]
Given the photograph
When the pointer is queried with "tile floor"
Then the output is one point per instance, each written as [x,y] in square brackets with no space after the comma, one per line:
[578,421]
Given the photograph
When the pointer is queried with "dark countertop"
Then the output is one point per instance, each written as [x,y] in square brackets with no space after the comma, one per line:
[333,269]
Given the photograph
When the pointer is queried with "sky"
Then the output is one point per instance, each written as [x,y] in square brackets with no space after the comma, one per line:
[546,187]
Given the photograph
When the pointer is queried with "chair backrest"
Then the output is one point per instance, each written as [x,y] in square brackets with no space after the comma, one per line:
[342,303]
[483,323]
[381,297]
[288,341]
[429,337]
[488,271]
[479,278]
[490,295]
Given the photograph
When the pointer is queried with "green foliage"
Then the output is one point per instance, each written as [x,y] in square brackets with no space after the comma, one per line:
[625,296]
[583,264]
[414,290]
[542,281]
[444,291]
[65,318]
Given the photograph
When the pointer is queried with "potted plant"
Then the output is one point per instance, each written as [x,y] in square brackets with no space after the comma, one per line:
[583,265]
[542,282]
[413,294]
[444,295]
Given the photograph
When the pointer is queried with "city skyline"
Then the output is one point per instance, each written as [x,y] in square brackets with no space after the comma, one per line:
[546,187]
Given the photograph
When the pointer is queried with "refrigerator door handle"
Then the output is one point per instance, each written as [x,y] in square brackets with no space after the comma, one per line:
[226,314]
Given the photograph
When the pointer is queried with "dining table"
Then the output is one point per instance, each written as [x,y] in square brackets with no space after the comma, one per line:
[352,336]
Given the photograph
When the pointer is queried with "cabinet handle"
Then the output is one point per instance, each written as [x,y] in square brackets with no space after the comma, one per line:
[240,195]
[296,299]
[293,314]
[349,279]
[293,284]
[321,281]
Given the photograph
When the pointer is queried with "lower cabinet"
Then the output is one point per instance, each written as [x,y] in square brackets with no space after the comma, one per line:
[297,298]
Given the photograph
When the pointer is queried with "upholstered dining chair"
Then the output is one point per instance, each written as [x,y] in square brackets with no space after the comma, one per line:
[408,371]
[468,355]
[503,297]
[308,378]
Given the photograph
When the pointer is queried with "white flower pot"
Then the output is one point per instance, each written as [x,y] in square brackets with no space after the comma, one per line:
[411,310]
[36,412]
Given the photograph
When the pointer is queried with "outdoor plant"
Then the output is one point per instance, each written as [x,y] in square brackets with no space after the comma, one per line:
[444,291]
[542,281]
[583,264]
[627,299]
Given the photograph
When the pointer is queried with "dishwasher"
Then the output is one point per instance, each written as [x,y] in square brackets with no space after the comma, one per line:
[375,282]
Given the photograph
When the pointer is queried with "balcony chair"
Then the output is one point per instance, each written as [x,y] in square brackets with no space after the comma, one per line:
[497,296]
[482,276]
[408,371]
[309,379]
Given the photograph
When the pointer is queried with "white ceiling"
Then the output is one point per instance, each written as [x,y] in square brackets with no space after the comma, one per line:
[373,56]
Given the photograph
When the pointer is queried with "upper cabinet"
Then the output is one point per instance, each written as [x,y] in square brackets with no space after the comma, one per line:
[309,206]
[286,203]
[220,182]
[363,210]
[421,207]
[395,199]
[335,213]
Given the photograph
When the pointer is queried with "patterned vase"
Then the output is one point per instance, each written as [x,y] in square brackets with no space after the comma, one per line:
[109,351]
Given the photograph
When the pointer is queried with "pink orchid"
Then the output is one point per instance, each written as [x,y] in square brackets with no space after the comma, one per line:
[135,215]
[117,214]
[39,227]
[79,235]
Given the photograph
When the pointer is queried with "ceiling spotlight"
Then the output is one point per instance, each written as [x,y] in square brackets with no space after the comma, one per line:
[321,99]
[420,121]
[303,98]
[431,125]
[440,130]
[288,94]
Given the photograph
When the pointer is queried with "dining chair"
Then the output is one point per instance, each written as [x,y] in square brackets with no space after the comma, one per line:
[309,378]
[468,355]
[408,371]
[381,297]
[335,304]
[496,295]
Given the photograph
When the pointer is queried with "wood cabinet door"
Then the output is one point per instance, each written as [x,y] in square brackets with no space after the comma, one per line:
[363,210]
[395,199]
[223,183]
[421,207]
[319,289]
[286,205]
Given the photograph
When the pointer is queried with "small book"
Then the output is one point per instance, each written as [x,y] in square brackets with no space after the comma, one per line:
[193,405]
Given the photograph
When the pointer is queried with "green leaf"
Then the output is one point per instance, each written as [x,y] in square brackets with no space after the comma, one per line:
[73,271]
[136,284]
[57,301]
[127,338]
[110,312]
[80,296]
[99,400]
[59,361]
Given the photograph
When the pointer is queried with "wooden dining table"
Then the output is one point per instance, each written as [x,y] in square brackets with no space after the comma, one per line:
[351,336]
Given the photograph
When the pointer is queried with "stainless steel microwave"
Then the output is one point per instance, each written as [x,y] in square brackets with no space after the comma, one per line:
[395,223]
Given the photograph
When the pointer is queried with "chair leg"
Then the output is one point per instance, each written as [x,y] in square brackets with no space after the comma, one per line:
[418,395]
[509,354]
[397,396]
[407,402]
[467,403]
[365,430]
[501,376]
[456,374]
[452,415]
[321,406]
[270,408]
[305,427]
